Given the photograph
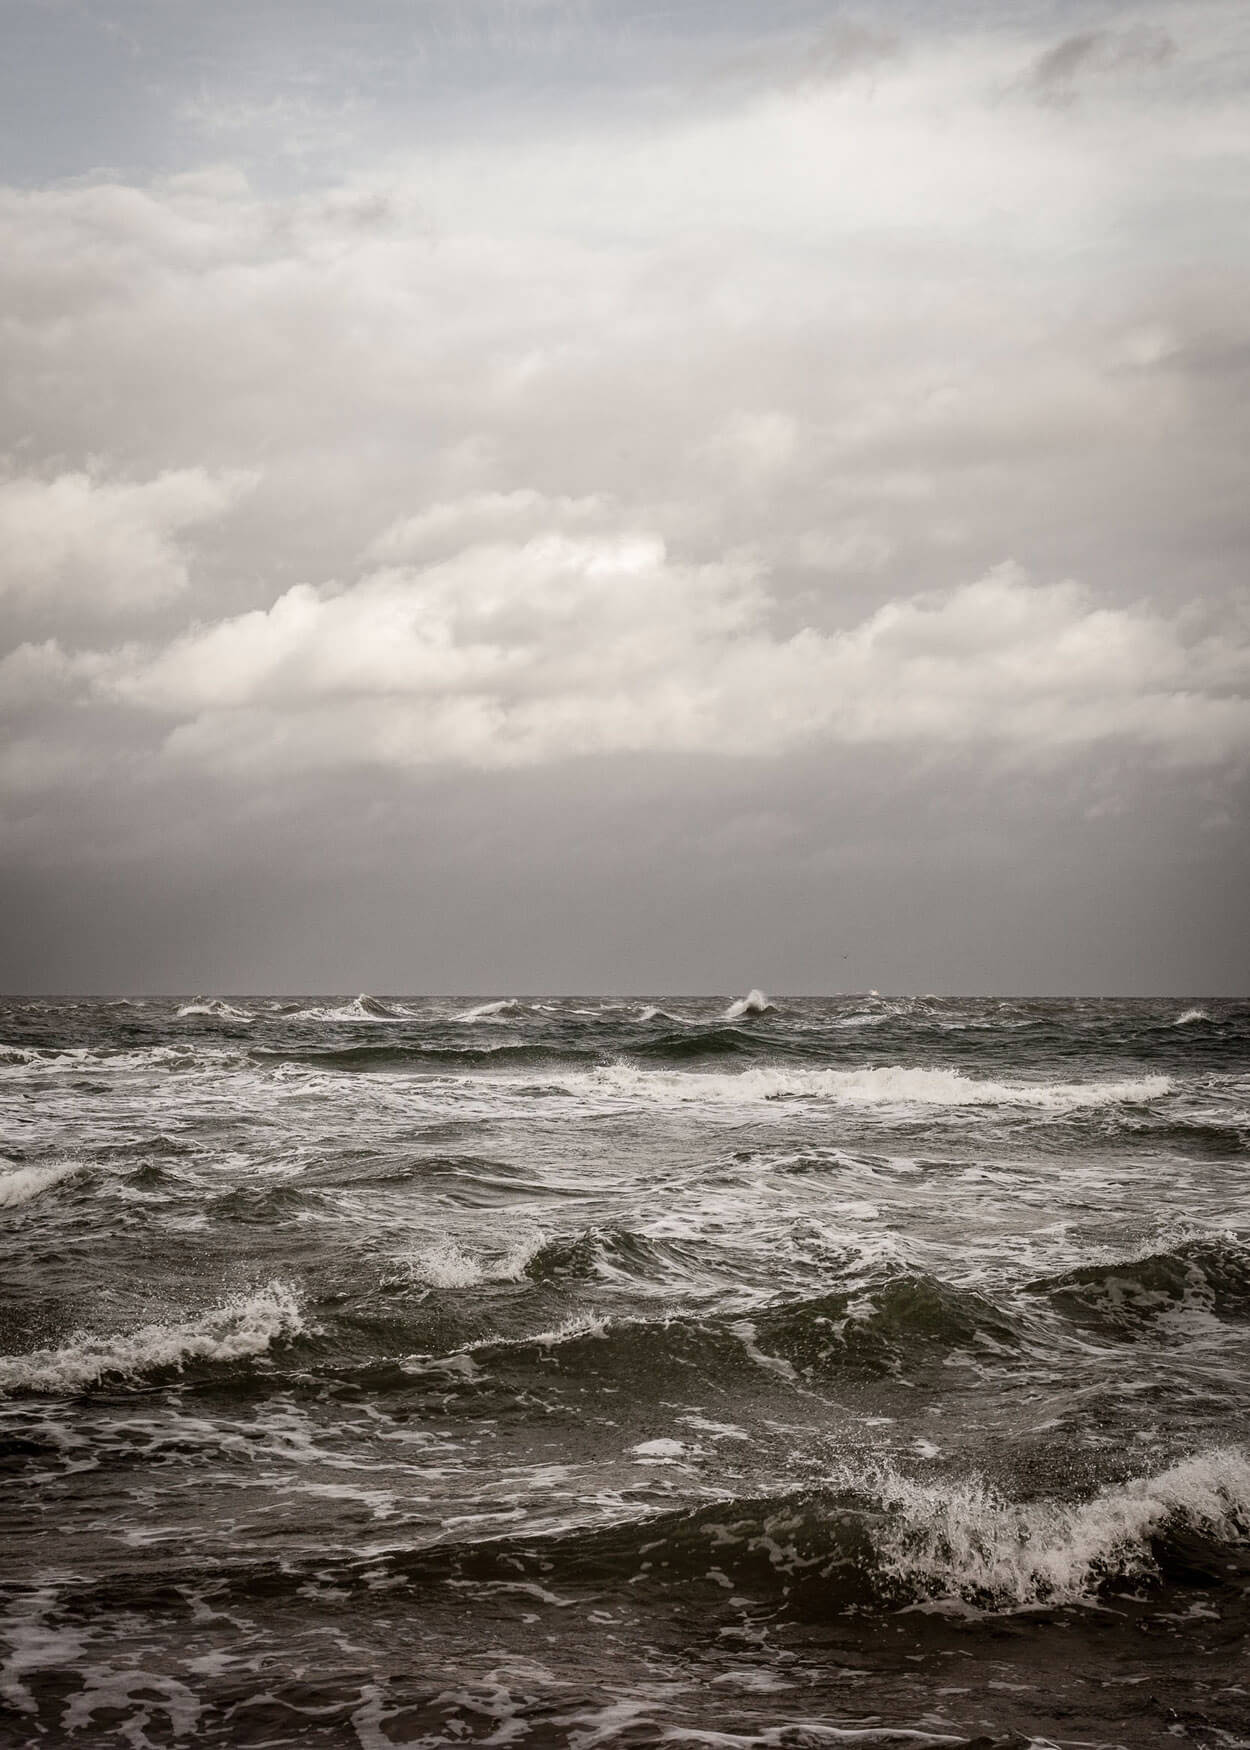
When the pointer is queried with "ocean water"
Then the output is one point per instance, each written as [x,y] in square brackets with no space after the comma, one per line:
[584,1372]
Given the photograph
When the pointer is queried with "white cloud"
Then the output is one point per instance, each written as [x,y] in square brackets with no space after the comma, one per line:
[568,645]
[106,547]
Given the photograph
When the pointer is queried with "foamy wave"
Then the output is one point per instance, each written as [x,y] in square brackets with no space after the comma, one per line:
[651,1013]
[887,1086]
[242,1327]
[217,1007]
[967,1540]
[493,1011]
[19,1184]
[1189,1016]
[361,1008]
[447,1264]
[754,1003]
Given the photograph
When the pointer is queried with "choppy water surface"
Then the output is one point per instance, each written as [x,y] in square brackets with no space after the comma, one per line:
[578,1372]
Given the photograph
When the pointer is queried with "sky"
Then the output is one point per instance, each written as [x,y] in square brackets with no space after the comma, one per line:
[515,496]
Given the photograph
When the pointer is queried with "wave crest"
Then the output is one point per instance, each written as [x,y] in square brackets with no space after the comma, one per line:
[754,1003]
[966,1540]
[448,1264]
[889,1085]
[498,1010]
[244,1326]
[20,1184]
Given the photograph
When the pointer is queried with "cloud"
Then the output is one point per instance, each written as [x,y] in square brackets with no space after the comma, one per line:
[569,645]
[1100,52]
[105,547]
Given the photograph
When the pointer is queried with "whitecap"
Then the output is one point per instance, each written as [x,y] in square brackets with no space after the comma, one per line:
[216,1007]
[19,1184]
[1189,1016]
[966,1539]
[361,1008]
[448,1264]
[889,1085]
[754,1003]
[242,1327]
[498,1010]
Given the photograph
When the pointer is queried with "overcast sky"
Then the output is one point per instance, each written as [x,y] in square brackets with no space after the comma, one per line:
[595,496]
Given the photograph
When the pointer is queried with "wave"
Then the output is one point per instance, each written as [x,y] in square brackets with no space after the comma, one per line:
[20,1184]
[966,1540]
[1207,1275]
[361,1008]
[499,1010]
[910,1321]
[889,1085]
[908,1318]
[1190,1016]
[653,1013]
[448,1264]
[707,1042]
[217,1007]
[754,1003]
[396,1056]
[871,1536]
[243,1327]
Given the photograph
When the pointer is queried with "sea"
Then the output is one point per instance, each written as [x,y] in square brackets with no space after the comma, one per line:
[728,1372]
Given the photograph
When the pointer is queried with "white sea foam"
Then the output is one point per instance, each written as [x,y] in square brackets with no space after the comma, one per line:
[499,1010]
[754,1003]
[243,1326]
[1189,1016]
[216,1007]
[19,1184]
[447,1264]
[967,1540]
[652,1013]
[889,1085]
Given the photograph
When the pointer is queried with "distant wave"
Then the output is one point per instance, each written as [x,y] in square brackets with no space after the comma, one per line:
[1190,1016]
[499,1010]
[889,1085]
[214,1006]
[652,1013]
[243,1327]
[19,1184]
[362,1008]
[754,1003]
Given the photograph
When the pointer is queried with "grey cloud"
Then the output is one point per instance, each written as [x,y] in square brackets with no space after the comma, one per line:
[1137,48]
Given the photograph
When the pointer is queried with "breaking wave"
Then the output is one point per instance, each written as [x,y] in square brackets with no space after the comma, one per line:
[499,1010]
[754,1003]
[871,1535]
[19,1184]
[361,1008]
[243,1327]
[967,1540]
[217,1007]
[889,1085]
[1190,1016]
[448,1264]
